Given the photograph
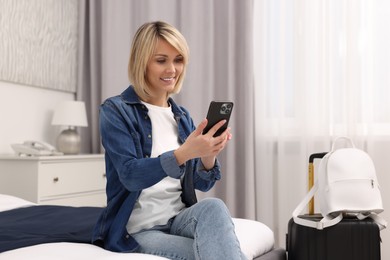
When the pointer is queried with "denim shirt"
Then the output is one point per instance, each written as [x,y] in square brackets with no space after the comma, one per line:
[126,133]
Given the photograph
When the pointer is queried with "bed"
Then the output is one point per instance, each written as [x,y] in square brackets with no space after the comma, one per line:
[30,231]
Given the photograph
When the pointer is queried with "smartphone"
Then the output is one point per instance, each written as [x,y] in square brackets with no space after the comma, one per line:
[218,110]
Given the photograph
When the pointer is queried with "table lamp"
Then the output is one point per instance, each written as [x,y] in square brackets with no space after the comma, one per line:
[71,114]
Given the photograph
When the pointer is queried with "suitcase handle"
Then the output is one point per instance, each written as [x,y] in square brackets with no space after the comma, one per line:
[316,156]
[311,176]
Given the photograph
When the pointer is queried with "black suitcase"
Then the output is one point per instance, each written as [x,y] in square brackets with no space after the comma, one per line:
[351,239]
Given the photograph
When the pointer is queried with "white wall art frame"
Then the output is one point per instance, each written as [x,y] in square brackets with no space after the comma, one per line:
[38,43]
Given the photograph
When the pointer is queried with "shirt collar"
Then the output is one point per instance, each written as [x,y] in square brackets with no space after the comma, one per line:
[129,96]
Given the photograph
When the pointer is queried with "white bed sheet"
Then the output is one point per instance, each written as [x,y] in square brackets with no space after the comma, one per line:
[255,238]
[67,251]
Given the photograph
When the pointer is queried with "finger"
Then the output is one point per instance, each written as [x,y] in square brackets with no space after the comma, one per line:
[229,135]
[215,128]
[220,142]
[201,127]
[226,135]
[218,148]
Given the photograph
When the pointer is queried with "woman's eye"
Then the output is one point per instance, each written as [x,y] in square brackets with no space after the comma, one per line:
[161,61]
[179,60]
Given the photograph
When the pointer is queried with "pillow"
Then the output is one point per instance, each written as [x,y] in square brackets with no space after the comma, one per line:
[8,202]
[255,237]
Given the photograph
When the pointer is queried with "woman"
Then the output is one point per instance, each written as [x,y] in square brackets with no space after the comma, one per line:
[155,157]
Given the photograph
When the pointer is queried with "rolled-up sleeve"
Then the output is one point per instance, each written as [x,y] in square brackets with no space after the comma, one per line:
[170,166]
[209,175]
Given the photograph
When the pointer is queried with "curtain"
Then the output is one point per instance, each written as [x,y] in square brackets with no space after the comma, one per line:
[89,76]
[321,71]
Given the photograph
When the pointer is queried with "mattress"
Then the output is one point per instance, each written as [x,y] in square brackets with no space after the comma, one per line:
[256,239]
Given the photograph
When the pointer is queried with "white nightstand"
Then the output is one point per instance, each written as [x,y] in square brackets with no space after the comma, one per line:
[71,180]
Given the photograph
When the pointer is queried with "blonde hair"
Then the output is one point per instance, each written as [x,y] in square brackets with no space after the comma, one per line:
[143,48]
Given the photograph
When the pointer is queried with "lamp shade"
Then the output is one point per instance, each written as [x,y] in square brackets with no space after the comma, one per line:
[70,113]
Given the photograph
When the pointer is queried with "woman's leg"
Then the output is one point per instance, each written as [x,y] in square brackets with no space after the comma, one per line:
[209,223]
[159,243]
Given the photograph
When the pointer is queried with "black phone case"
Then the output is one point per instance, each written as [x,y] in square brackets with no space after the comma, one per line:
[218,110]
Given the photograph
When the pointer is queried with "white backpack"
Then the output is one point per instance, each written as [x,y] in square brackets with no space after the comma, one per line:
[346,184]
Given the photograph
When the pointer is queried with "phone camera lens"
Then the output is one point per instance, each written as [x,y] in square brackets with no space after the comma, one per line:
[225,108]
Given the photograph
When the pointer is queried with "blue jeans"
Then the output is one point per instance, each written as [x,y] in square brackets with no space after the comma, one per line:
[203,231]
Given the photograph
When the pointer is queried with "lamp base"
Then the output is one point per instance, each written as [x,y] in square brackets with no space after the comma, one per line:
[69,142]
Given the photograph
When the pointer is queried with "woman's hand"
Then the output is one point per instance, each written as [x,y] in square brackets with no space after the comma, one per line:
[203,146]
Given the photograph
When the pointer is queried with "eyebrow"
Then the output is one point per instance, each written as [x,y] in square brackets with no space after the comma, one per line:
[164,55]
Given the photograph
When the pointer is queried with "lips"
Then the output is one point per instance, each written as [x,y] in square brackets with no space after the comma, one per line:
[168,79]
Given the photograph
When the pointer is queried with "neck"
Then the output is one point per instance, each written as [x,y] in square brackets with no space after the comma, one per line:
[161,102]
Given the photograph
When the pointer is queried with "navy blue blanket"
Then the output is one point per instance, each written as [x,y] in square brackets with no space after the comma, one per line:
[45,224]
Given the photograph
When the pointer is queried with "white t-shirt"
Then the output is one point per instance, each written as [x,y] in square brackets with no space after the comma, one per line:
[159,203]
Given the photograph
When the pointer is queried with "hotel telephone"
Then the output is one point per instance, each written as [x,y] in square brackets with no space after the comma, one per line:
[35,148]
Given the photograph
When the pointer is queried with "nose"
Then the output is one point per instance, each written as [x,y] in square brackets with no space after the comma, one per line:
[171,67]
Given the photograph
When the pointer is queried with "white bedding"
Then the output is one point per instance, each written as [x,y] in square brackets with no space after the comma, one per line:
[255,238]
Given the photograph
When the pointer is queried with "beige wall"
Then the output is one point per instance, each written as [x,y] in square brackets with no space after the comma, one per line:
[26,113]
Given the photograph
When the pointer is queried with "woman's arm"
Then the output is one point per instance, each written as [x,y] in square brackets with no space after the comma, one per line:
[121,137]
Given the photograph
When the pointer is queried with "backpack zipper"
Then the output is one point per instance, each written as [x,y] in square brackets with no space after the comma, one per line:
[372,181]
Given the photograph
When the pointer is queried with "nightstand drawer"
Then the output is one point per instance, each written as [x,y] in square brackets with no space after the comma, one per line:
[61,178]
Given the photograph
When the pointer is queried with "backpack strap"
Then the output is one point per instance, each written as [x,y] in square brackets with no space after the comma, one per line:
[381,222]
[351,144]
[329,221]
[326,221]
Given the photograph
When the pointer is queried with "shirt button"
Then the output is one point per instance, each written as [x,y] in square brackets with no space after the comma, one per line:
[149,136]
[127,236]
[146,156]
[146,117]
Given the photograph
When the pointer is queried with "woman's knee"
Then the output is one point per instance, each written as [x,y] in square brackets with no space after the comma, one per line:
[213,202]
[214,206]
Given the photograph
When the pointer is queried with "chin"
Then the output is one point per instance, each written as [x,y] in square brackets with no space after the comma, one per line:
[170,88]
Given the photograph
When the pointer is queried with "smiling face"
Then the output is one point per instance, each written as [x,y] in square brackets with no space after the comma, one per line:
[163,71]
